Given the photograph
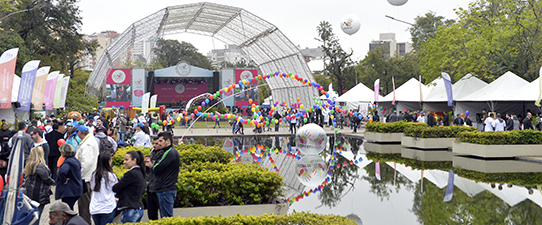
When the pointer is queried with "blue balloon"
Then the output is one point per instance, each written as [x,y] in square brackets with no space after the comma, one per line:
[240,83]
[327,95]
[355,114]
[360,116]
[206,101]
[212,114]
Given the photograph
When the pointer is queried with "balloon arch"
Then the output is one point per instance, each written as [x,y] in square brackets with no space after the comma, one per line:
[261,41]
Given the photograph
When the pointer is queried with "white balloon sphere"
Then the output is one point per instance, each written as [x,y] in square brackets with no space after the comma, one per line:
[310,139]
[350,24]
[397,2]
[311,170]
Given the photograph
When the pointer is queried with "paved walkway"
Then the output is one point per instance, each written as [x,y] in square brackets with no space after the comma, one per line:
[226,132]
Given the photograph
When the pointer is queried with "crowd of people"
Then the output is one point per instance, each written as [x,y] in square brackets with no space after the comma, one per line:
[74,156]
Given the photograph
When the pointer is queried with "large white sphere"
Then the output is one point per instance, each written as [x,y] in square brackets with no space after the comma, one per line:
[350,24]
[310,139]
[311,170]
[397,2]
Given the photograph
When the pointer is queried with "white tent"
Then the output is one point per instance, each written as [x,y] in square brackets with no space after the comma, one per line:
[407,96]
[509,195]
[470,187]
[437,98]
[408,172]
[358,94]
[437,177]
[527,93]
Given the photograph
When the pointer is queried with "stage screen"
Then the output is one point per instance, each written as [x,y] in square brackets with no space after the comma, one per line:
[175,92]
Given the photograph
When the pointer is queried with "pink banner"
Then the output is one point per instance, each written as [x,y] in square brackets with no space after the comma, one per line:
[50,88]
[175,92]
[118,104]
[39,87]
[7,71]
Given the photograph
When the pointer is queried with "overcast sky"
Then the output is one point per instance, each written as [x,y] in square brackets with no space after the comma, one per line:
[297,19]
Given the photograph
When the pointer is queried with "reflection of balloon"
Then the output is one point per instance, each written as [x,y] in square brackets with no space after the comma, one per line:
[311,170]
[397,2]
[350,24]
[310,139]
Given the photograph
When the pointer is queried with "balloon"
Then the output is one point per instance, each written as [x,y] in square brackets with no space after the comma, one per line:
[462,114]
[298,99]
[250,101]
[186,118]
[159,121]
[203,104]
[172,121]
[164,122]
[60,142]
[350,24]
[305,120]
[178,119]
[371,120]
[311,170]
[397,2]
[467,113]
[206,101]
[310,139]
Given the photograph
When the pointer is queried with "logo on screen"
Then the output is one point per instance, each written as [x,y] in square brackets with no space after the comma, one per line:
[183,68]
[118,76]
[246,74]
[139,81]
[179,88]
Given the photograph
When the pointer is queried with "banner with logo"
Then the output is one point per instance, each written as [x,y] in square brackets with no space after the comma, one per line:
[58,91]
[50,88]
[28,76]
[7,71]
[138,86]
[175,92]
[227,80]
[246,92]
[153,101]
[117,86]
[64,91]
[39,87]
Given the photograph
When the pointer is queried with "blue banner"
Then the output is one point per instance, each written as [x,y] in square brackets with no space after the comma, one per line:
[28,76]
[450,188]
[448,86]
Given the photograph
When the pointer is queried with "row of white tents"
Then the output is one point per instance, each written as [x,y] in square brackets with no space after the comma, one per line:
[507,94]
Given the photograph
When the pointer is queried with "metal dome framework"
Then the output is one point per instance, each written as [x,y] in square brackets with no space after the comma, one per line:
[260,40]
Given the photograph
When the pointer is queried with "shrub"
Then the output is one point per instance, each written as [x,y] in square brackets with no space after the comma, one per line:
[522,179]
[118,158]
[200,153]
[515,137]
[395,127]
[436,132]
[266,219]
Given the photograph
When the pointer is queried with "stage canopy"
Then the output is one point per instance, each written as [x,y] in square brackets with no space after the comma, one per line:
[172,72]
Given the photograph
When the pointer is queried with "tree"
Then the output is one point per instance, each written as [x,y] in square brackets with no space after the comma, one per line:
[337,59]
[425,27]
[75,98]
[171,52]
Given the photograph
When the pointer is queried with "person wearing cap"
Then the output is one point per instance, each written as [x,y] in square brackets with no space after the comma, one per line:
[100,135]
[61,214]
[48,126]
[87,154]
[140,138]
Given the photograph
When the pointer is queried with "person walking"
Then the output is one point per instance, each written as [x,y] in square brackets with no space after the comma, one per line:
[87,154]
[52,139]
[527,123]
[69,185]
[130,188]
[217,121]
[38,181]
[103,204]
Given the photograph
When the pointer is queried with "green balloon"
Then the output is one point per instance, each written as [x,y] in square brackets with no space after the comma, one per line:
[305,120]
[332,111]
[336,131]
[160,122]
[255,115]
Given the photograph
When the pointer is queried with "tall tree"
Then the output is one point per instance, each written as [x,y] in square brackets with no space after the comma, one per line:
[337,60]
[425,27]
[171,52]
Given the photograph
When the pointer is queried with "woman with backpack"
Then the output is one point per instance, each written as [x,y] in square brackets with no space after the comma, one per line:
[103,204]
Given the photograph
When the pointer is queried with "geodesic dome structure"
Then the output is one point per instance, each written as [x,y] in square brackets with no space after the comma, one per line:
[261,41]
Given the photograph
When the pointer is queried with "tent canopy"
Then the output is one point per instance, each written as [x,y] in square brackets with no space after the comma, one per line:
[528,92]
[359,93]
[408,92]
[172,71]
[465,86]
[498,90]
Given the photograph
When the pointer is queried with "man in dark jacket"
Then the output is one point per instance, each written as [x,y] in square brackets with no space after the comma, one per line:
[62,214]
[509,122]
[153,205]
[166,173]
[52,139]
[527,123]
[446,119]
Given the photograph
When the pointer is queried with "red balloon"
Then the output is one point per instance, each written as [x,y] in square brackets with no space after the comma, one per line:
[60,142]
[199,108]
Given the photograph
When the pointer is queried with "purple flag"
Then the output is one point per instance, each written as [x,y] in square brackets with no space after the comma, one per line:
[26,87]
[450,188]
[448,86]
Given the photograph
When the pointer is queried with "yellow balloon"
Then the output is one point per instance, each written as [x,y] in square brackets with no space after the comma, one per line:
[253,109]
[301,106]
[332,116]
[276,121]
[178,119]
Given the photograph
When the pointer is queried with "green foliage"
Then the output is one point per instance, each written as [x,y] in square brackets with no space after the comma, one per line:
[515,137]
[263,92]
[395,127]
[171,52]
[195,153]
[436,132]
[10,39]
[523,179]
[338,59]
[425,28]
[266,219]
[415,164]
[75,98]
[118,158]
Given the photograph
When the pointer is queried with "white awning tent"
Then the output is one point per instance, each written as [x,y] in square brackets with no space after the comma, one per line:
[469,187]
[509,195]
[437,177]
[407,96]
[408,172]
[437,98]
[358,94]
[528,93]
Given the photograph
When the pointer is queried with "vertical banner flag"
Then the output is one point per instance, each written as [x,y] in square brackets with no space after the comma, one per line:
[228,79]
[138,86]
[145,103]
[393,83]
[58,91]
[537,102]
[15,90]
[448,86]
[50,87]
[377,89]
[450,188]
[421,94]
[7,71]
[377,170]
[39,87]
[64,91]
[153,101]
[28,76]
[394,172]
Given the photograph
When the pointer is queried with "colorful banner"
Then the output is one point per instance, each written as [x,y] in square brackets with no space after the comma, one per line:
[39,87]
[118,84]
[448,86]
[50,88]
[175,92]
[58,91]
[228,79]
[64,92]
[153,101]
[377,89]
[247,91]
[145,103]
[377,171]
[138,86]
[15,90]
[28,76]
[393,83]
[7,71]
[450,188]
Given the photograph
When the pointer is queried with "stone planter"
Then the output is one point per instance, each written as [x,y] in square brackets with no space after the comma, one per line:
[496,151]
[253,210]
[427,143]
[383,148]
[383,137]
[496,165]
[427,155]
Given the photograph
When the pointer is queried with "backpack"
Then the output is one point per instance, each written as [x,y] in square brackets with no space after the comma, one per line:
[106,145]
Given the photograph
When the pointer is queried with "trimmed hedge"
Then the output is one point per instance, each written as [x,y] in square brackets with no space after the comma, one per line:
[415,164]
[515,137]
[395,127]
[266,219]
[436,132]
